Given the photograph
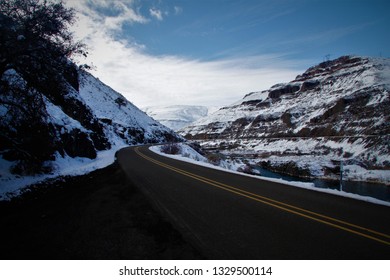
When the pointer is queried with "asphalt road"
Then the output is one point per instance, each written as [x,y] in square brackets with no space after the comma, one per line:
[228,216]
[96,216]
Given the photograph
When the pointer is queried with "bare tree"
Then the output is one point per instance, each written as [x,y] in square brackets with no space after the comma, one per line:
[35,37]
[35,42]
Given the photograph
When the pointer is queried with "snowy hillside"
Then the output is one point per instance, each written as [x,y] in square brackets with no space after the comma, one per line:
[335,111]
[177,116]
[49,133]
[121,116]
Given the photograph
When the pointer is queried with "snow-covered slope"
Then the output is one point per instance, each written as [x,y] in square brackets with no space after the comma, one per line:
[337,110]
[46,133]
[121,116]
[177,116]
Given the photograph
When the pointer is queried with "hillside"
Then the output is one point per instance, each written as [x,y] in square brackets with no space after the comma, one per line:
[177,116]
[46,133]
[335,111]
[120,116]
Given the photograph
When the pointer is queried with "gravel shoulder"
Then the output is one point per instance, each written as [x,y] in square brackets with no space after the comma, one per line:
[100,215]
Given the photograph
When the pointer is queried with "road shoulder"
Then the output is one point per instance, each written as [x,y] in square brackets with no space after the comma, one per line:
[100,215]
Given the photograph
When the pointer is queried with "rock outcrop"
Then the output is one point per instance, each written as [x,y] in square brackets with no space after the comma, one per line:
[339,104]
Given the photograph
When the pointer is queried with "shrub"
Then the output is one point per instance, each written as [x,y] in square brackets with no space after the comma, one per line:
[171,149]
[215,158]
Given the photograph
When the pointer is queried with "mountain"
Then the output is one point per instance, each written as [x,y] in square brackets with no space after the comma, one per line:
[46,129]
[335,111]
[121,117]
[177,116]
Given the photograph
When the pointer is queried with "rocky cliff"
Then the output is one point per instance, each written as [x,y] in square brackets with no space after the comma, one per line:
[336,110]
[40,124]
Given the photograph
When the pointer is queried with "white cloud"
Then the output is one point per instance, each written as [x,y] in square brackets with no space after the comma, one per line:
[148,80]
[111,15]
[178,10]
[156,13]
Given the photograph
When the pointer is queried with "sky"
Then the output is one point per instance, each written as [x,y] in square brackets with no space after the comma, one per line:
[213,52]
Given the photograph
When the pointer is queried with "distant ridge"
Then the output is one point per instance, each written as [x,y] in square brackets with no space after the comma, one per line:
[336,110]
[177,116]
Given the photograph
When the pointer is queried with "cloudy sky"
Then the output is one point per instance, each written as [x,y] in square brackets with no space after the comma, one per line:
[213,52]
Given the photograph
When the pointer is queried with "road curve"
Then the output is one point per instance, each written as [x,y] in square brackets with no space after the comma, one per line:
[228,216]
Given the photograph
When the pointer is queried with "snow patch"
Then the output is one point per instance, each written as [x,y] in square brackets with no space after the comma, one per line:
[190,155]
[13,185]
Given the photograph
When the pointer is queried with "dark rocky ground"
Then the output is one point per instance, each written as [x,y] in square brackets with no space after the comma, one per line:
[100,215]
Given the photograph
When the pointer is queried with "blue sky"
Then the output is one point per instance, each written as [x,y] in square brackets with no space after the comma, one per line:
[213,52]
[305,29]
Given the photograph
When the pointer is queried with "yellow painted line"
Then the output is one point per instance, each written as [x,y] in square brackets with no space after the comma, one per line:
[274,203]
[269,199]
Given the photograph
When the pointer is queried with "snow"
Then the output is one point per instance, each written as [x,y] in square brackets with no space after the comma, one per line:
[189,155]
[342,83]
[359,173]
[259,95]
[101,99]
[13,185]
[300,151]
[258,135]
[177,116]
[58,117]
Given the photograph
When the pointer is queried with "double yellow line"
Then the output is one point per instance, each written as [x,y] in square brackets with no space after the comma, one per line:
[352,228]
